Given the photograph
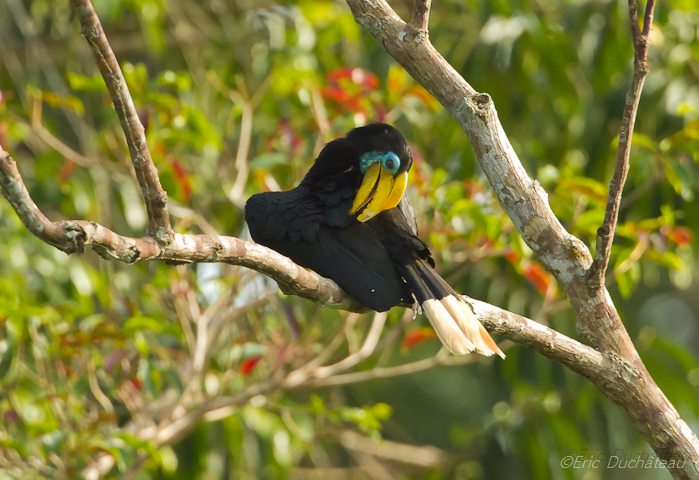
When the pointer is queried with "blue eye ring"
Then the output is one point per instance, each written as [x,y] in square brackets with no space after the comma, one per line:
[390,161]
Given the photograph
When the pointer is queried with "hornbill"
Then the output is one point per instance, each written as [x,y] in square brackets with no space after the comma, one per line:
[344,222]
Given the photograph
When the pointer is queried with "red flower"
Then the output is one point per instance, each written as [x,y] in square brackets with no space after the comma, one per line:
[416,336]
[364,79]
[335,93]
[182,179]
[249,365]
[348,85]
[539,277]
[680,235]
[66,171]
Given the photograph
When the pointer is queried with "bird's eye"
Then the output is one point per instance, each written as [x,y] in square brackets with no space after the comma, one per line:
[391,162]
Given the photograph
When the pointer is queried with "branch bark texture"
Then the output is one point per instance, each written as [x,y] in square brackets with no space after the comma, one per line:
[565,256]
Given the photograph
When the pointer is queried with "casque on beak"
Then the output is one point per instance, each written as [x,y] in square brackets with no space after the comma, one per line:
[380,190]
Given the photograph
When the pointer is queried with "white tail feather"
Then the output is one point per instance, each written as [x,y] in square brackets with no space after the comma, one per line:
[447,330]
[458,328]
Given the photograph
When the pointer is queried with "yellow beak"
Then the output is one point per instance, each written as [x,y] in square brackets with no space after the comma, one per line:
[380,190]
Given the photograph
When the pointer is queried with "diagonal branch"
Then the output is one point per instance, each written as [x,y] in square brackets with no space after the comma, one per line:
[153,193]
[605,234]
[74,236]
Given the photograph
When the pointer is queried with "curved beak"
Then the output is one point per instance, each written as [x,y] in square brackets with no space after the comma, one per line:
[380,190]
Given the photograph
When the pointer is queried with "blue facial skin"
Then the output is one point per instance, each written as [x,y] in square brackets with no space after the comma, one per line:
[390,161]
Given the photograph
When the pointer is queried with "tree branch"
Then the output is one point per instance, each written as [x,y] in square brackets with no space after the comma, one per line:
[73,236]
[630,385]
[153,193]
[421,15]
[605,234]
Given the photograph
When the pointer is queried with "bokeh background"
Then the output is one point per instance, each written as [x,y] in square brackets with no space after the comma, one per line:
[238,97]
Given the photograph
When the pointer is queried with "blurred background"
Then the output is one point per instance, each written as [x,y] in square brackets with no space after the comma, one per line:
[238,97]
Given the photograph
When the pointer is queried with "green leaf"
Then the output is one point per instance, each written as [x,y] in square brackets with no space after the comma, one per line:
[625,283]
[642,140]
[584,186]
[84,83]
[136,324]
[267,161]
[666,259]
[589,221]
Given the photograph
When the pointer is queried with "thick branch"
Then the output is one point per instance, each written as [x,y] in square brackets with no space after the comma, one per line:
[153,193]
[73,236]
[605,234]
[526,203]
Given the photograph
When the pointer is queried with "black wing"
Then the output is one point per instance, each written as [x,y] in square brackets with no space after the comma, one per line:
[312,227]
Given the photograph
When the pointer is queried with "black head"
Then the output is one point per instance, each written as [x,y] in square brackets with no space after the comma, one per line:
[382,139]
[376,159]
[344,154]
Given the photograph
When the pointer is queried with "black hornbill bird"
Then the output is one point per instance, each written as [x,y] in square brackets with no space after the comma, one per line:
[344,222]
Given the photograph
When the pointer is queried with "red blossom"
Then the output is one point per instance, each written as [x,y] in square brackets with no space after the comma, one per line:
[539,277]
[349,85]
[137,384]
[680,235]
[66,171]
[182,178]
[338,94]
[416,336]
[511,256]
[249,365]
[364,79]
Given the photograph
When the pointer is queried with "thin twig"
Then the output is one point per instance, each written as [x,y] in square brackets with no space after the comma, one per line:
[300,375]
[383,372]
[421,15]
[171,429]
[153,193]
[605,234]
[372,339]
[423,456]
[241,158]
[35,115]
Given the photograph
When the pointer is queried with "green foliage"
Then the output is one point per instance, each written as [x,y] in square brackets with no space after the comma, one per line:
[87,344]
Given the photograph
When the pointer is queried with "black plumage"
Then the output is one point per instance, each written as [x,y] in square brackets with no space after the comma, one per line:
[366,245]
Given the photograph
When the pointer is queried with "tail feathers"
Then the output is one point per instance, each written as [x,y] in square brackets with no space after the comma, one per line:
[468,323]
[451,317]
[446,328]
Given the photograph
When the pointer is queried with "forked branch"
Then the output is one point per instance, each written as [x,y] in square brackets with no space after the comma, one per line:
[153,193]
